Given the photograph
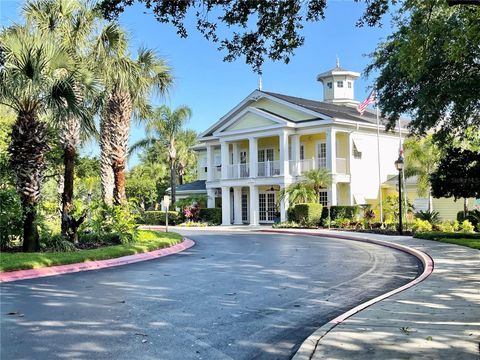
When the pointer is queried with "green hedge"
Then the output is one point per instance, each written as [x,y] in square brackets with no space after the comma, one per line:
[111,239]
[433,235]
[158,218]
[341,212]
[308,214]
[211,216]
[473,216]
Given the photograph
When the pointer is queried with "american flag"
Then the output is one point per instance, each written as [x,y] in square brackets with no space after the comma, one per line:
[369,100]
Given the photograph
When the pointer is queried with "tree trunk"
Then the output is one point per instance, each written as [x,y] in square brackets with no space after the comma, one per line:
[172,185]
[67,195]
[31,239]
[27,149]
[106,171]
[120,109]
[119,196]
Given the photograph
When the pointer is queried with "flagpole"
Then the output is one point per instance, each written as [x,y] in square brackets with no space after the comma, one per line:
[378,159]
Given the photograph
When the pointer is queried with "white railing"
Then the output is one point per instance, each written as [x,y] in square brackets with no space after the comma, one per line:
[238,171]
[268,168]
[217,173]
[313,164]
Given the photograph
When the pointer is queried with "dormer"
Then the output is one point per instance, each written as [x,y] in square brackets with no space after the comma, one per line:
[339,85]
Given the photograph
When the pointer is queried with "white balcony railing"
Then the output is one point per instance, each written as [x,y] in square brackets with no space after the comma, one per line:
[268,168]
[272,168]
[238,171]
[217,172]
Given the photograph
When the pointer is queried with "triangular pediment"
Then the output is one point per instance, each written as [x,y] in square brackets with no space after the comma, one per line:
[250,120]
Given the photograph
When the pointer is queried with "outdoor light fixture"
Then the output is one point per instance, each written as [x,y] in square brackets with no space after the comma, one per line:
[399,165]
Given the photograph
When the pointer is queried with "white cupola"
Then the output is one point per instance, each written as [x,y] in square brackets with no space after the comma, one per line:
[339,85]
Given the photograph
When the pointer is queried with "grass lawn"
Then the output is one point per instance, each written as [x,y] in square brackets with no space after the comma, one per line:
[148,240]
[472,243]
[471,240]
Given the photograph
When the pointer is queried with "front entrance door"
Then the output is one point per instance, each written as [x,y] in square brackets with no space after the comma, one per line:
[267,206]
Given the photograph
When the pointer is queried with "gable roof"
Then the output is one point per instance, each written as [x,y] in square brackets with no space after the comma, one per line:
[196,186]
[329,109]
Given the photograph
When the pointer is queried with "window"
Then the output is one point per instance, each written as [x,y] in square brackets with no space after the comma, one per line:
[302,152]
[349,84]
[356,154]
[340,84]
[329,85]
[324,198]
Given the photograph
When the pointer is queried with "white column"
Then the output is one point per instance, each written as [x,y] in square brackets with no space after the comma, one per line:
[284,204]
[225,162]
[296,153]
[253,154]
[332,194]
[210,198]
[331,151]
[226,205]
[253,205]
[283,139]
[236,159]
[210,168]
[237,205]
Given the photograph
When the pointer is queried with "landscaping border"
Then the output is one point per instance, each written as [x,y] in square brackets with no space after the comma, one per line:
[309,345]
[95,264]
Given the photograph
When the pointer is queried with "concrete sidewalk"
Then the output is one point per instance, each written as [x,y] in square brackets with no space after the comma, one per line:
[438,318]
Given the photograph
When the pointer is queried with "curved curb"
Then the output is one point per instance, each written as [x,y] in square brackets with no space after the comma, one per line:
[94,264]
[308,347]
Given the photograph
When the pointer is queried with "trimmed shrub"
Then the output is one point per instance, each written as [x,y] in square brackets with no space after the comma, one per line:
[158,217]
[473,216]
[421,225]
[286,225]
[56,243]
[308,214]
[105,239]
[212,216]
[467,227]
[341,212]
[449,226]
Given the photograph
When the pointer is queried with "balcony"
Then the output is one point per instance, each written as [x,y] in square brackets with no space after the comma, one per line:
[238,171]
[272,168]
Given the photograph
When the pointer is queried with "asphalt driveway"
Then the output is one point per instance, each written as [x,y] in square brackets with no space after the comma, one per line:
[232,296]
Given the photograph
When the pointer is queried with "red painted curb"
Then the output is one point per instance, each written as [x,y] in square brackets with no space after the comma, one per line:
[426,260]
[94,265]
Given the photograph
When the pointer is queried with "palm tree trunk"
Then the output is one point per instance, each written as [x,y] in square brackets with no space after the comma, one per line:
[120,109]
[70,137]
[106,171]
[172,184]
[27,149]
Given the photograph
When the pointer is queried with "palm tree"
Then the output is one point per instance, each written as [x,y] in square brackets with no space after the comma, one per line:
[186,158]
[164,128]
[422,157]
[309,189]
[71,23]
[37,77]
[129,83]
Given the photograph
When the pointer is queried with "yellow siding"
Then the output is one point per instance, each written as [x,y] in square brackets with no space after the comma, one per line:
[343,195]
[248,121]
[309,142]
[342,145]
[448,208]
[281,110]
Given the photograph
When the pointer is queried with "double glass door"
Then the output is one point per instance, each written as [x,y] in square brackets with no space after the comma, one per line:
[267,206]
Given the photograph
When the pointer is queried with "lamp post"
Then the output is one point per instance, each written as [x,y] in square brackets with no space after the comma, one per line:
[399,166]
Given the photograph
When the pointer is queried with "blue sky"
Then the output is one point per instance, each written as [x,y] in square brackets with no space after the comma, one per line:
[211,87]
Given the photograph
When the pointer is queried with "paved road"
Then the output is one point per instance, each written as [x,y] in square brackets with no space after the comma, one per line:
[232,296]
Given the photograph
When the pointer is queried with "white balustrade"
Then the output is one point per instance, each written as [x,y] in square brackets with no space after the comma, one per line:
[268,168]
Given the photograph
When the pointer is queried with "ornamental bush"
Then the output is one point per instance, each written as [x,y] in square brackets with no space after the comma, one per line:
[11,217]
[420,225]
[473,216]
[212,216]
[341,212]
[467,227]
[158,217]
[308,214]
[449,226]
